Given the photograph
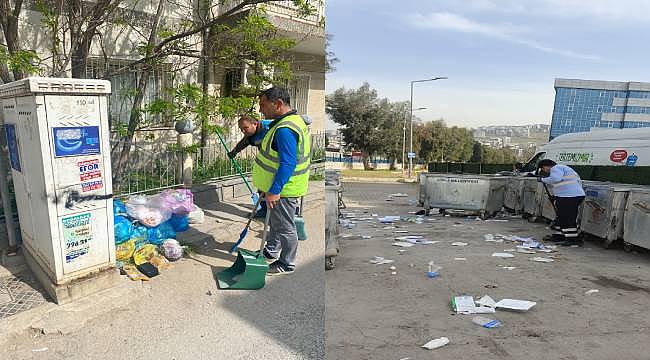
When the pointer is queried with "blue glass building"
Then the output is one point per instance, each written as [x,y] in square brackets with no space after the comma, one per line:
[584,104]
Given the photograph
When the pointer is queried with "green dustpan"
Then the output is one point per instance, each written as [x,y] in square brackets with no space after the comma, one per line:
[249,270]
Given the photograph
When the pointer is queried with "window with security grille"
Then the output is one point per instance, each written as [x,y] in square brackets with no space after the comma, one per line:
[124,80]
[298,88]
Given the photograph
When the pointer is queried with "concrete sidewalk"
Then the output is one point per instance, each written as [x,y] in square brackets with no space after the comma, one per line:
[181,314]
[372,314]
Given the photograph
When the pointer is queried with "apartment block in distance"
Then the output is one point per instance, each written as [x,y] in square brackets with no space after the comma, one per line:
[584,104]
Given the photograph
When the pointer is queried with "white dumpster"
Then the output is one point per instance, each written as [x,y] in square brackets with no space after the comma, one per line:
[58,140]
[636,221]
[478,193]
[604,209]
[512,198]
[332,193]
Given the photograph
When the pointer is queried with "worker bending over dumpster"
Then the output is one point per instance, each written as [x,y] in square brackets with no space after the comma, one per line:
[568,195]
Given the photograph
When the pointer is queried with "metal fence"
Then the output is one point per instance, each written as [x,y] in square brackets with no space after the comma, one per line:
[150,170]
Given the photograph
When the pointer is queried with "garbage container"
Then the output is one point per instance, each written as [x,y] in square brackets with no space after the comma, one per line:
[636,220]
[604,209]
[512,198]
[477,193]
[59,153]
[332,212]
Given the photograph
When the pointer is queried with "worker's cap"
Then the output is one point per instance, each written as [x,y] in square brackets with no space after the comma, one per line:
[546,162]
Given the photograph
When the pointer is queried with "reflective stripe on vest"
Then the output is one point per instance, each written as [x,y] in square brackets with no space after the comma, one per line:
[267,160]
[566,180]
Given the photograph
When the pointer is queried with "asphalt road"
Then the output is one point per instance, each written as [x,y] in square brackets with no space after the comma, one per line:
[372,314]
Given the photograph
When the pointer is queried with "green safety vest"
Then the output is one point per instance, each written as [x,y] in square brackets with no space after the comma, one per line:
[267,160]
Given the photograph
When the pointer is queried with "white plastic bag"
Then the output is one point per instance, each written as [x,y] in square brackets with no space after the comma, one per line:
[148,210]
[196,216]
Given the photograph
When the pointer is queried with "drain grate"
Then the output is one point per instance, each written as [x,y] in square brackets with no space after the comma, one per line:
[19,293]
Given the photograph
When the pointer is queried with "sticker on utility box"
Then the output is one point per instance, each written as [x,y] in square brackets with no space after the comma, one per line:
[12,146]
[91,185]
[89,169]
[77,234]
[76,141]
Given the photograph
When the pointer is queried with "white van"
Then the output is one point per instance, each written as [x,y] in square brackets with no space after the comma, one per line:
[603,147]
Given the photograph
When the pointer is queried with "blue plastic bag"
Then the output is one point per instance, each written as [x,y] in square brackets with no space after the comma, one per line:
[123,229]
[139,236]
[119,209]
[160,233]
[179,223]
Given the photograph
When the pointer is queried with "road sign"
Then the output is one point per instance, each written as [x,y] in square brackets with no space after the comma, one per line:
[411,155]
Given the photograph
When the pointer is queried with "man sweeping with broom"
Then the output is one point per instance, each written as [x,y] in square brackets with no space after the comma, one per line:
[281,172]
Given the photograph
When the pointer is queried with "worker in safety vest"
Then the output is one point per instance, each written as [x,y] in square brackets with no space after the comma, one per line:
[568,195]
[281,171]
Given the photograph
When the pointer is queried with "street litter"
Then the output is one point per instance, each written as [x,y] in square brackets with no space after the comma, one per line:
[460,259]
[388,227]
[389,219]
[542,259]
[510,250]
[392,268]
[488,237]
[486,300]
[378,260]
[503,255]
[509,267]
[366,236]
[465,305]
[40,350]
[513,304]
[394,273]
[433,270]
[412,202]
[458,243]
[436,343]
[375,215]
[399,195]
[525,251]
[592,291]
[401,231]
[410,237]
[485,322]
[401,251]
[403,244]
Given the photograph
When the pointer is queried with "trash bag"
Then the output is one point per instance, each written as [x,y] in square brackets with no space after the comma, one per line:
[179,223]
[119,209]
[144,254]
[123,229]
[196,216]
[171,249]
[161,232]
[124,251]
[178,201]
[139,236]
[148,210]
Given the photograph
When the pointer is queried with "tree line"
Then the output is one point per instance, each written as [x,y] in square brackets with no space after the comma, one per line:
[376,126]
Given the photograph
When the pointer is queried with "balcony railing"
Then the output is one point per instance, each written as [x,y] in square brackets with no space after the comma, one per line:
[286,8]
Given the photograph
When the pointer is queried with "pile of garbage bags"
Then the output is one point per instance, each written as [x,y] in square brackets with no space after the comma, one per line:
[146,227]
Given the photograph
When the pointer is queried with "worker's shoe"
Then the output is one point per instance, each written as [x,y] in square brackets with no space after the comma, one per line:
[555,238]
[575,242]
[268,256]
[278,267]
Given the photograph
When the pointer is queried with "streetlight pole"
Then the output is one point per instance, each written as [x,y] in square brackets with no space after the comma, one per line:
[404,139]
[411,145]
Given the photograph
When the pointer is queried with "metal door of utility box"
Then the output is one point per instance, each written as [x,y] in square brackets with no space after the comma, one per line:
[512,198]
[58,137]
[483,194]
[604,209]
[636,221]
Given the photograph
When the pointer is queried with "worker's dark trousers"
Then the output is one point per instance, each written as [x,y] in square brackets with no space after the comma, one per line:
[567,214]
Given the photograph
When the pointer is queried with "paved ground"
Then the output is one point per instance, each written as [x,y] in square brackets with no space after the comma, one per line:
[371,314]
[183,315]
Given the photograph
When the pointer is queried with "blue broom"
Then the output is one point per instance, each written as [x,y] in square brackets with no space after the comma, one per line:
[245,231]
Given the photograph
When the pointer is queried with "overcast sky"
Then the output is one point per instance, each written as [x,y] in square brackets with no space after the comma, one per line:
[501,56]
